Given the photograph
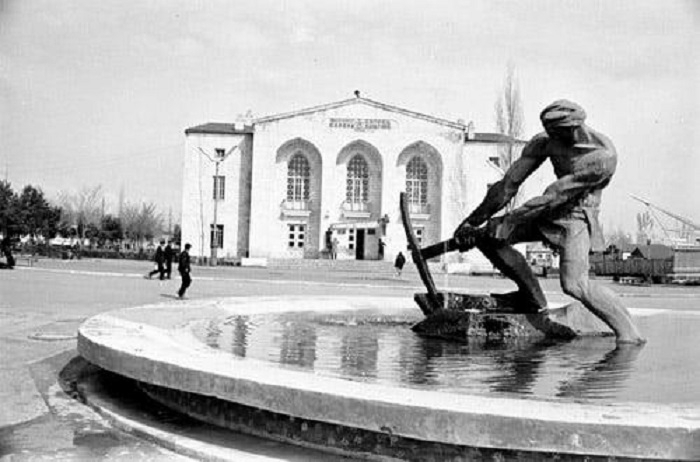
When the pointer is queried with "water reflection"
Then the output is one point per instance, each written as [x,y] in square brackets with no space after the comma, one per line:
[298,345]
[380,347]
[597,380]
[519,366]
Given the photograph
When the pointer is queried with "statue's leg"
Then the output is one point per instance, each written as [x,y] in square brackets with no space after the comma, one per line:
[600,300]
[513,265]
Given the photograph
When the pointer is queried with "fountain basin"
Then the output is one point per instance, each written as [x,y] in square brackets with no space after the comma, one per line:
[155,346]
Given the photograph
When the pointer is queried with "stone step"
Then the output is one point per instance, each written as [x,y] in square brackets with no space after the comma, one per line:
[369,266]
[374,266]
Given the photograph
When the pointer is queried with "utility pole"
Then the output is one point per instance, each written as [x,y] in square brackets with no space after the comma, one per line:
[215,225]
[213,260]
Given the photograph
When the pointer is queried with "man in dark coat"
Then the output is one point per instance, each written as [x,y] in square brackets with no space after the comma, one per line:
[6,246]
[160,262]
[398,264]
[183,267]
[168,255]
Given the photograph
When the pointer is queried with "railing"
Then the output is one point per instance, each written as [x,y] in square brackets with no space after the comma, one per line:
[356,209]
[356,206]
[296,205]
[419,209]
[296,208]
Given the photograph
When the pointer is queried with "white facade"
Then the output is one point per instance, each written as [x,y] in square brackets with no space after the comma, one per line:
[298,181]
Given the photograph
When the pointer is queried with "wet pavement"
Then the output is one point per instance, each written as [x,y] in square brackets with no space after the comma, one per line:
[69,430]
[41,308]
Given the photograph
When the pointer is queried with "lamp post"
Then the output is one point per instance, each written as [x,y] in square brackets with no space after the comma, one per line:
[213,261]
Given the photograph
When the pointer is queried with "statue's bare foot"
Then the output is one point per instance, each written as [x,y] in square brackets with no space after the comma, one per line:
[631,340]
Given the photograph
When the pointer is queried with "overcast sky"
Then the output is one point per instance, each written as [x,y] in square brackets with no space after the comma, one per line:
[99,93]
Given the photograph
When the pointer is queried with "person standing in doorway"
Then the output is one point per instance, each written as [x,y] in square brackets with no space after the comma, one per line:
[184,269]
[398,263]
[160,261]
[168,256]
[334,248]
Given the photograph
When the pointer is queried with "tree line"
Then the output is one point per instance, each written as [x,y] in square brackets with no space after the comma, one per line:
[80,215]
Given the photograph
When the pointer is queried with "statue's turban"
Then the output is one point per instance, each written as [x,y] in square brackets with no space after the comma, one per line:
[562,113]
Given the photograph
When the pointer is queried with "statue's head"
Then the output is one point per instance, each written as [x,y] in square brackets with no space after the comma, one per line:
[561,119]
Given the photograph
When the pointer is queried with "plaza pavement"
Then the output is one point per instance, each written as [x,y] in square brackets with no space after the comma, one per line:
[42,306]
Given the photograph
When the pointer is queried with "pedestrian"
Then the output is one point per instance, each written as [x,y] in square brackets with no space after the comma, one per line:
[160,262]
[76,251]
[6,246]
[168,255]
[329,245]
[334,248]
[398,264]
[183,267]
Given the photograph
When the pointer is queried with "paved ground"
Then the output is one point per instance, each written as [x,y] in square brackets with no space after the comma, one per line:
[42,306]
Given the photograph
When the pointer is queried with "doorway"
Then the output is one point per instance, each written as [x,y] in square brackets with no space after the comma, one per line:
[360,244]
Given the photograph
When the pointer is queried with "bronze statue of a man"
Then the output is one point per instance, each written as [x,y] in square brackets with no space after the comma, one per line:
[565,216]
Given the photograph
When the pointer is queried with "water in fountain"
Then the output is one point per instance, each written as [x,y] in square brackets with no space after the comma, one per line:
[379,346]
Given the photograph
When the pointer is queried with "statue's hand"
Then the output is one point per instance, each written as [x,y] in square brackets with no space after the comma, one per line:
[465,236]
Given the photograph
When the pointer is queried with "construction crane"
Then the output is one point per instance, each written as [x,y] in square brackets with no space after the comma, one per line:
[688,224]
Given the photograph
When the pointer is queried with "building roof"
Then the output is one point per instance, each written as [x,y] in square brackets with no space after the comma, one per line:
[220,128]
[365,101]
[492,138]
[653,252]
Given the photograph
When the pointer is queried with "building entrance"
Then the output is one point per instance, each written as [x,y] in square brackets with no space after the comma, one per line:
[355,240]
[360,245]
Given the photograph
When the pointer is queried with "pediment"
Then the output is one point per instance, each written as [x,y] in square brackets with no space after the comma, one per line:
[339,118]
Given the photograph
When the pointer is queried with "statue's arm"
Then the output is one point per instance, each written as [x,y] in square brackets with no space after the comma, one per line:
[500,193]
[592,172]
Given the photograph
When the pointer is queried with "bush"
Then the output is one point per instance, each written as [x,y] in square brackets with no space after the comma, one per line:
[69,253]
[100,253]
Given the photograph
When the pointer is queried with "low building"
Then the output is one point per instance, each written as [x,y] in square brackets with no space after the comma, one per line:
[288,185]
[652,252]
[539,255]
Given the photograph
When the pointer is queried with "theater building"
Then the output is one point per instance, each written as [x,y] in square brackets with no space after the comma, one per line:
[296,185]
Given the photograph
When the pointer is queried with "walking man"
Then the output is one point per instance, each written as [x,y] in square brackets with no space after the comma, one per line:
[565,217]
[398,263]
[168,255]
[183,267]
[160,262]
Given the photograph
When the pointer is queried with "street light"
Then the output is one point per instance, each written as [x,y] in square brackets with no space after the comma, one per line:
[216,160]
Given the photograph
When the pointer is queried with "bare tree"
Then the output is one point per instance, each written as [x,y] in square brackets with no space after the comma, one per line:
[645,225]
[81,210]
[458,197]
[141,222]
[510,122]
[618,238]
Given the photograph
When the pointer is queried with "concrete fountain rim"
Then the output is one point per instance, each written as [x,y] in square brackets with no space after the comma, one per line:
[154,344]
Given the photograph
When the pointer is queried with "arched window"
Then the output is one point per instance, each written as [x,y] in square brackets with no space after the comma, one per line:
[298,178]
[417,181]
[357,185]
